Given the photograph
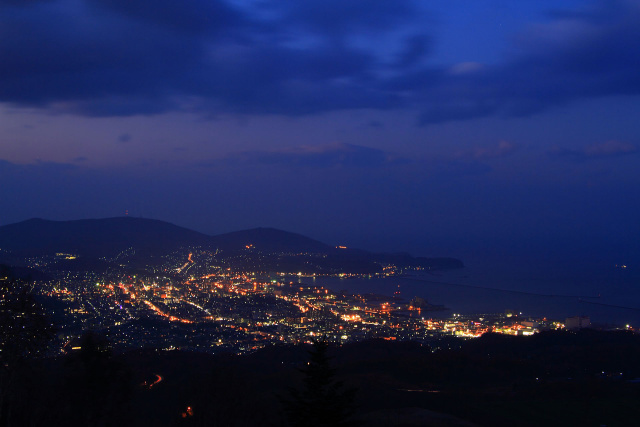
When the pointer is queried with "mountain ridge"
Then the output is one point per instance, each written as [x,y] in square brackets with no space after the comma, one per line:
[94,237]
[106,237]
[269,239]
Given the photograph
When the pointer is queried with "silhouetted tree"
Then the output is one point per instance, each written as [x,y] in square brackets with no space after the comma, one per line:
[322,401]
[97,387]
[25,332]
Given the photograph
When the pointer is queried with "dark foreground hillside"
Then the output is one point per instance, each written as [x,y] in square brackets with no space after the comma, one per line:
[550,379]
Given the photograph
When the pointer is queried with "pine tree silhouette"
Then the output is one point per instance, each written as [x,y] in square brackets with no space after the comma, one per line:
[322,401]
[97,387]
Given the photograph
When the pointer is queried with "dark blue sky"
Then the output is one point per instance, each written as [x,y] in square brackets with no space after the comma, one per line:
[443,127]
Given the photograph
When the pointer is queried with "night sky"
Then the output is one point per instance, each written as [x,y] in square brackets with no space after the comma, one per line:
[441,127]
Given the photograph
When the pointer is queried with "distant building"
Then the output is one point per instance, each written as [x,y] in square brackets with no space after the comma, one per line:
[577,322]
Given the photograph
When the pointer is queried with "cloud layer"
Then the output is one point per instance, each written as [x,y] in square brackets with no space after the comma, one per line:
[597,151]
[120,58]
[329,155]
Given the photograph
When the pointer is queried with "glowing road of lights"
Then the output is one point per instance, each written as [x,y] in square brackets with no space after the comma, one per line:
[186,301]
[155,382]
[186,264]
[163,314]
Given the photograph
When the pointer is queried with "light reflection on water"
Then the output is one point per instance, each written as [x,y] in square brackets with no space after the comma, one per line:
[607,294]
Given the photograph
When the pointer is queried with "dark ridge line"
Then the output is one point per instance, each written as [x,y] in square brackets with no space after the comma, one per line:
[498,289]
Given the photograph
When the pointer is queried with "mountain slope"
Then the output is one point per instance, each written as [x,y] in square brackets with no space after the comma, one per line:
[269,240]
[96,237]
[265,249]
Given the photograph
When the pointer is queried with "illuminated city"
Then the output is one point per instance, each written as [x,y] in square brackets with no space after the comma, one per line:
[164,314]
[211,307]
[319,213]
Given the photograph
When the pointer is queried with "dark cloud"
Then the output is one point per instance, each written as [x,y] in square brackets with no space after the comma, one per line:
[416,48]
[338,17]
[597,151]
[330,155]
[127,57]
[22,3]
[116,57]
[272,79]
[589,54]
[95,65]
[192,17]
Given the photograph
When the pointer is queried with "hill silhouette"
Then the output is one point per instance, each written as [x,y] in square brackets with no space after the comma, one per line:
[267,249]
[96,237]
[269,240]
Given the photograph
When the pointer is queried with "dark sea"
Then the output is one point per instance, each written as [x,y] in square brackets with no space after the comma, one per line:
[608,293]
